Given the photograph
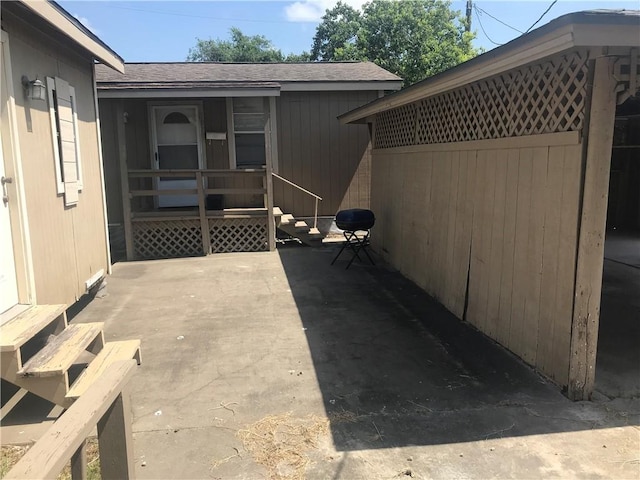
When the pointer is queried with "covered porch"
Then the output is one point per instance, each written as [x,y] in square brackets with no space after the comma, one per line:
[189,177]
[155,232]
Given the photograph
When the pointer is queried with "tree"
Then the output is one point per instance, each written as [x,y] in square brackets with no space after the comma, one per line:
[336,35]
[241,48]
[413,39]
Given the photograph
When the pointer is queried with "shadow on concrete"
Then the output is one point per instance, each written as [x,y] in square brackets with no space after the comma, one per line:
[395,368]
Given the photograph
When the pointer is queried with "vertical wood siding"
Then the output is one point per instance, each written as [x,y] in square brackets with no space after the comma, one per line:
[68,243]
[319,154]
[490,233]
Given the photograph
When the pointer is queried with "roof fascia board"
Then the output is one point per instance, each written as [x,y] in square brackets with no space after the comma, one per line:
[340,86]
[48,12]
[188,93]
[550,44]
[606,35]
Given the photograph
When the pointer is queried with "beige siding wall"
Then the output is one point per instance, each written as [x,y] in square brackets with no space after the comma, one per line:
[489,229]
[319,154]
[68,244]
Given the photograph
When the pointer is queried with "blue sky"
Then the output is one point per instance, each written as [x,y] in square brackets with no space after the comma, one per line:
[165,30]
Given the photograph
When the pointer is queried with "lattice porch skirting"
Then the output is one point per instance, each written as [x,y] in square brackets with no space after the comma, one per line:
[238,234]
[166,238]
[183,238]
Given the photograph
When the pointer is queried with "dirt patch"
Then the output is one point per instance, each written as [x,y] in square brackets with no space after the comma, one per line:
[10,455]
[281,443]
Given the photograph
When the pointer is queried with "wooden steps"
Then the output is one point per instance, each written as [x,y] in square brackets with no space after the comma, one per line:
[287,219]
[22,328]
[111,353]
[301,226]
[63,351]
[45,372]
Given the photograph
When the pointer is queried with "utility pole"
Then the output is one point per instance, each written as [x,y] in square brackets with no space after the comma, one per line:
[469,9]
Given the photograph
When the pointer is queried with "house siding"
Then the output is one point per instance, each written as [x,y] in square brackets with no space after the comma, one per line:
[68,245]
[314,151]
[319,154]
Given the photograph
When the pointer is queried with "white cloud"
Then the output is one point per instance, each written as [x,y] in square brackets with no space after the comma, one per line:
[313,10]
[85,21]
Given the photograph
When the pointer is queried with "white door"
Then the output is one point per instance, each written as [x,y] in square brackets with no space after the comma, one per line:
[8,281]
[177,142]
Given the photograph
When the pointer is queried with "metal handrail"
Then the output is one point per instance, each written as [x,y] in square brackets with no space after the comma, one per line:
[317,197]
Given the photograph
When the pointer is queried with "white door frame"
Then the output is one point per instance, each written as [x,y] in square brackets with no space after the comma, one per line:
[13,168]
[152,106]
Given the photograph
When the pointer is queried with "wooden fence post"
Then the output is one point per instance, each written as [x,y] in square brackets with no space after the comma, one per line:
[124,179]
[586,307]
[115,440]
[271,225]
[204,224]
[79,463]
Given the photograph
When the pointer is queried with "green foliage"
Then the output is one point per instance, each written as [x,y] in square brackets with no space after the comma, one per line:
[298,57]
[413,39]
[337,34]
[241,48]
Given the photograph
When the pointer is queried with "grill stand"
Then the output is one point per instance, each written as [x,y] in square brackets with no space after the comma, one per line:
[356,245]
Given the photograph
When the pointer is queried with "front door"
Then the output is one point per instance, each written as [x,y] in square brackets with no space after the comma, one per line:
[8,281]
[178,145]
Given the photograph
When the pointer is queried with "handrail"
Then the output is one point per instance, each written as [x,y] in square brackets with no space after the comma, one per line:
[297,186]
[105,404]
[317,197]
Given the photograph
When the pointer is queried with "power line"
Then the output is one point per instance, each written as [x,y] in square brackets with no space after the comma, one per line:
[497,19]
[178,14]
[484,31]
[545,12]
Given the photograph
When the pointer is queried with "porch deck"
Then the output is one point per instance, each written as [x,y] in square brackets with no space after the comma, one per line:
[151,231]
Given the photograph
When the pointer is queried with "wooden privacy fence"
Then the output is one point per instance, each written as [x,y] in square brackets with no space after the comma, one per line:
[105,404]
[155,233]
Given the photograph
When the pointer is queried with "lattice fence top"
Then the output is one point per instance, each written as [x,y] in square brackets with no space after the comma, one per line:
[541,98]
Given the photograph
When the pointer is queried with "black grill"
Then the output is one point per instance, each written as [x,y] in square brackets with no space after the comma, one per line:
[355,219]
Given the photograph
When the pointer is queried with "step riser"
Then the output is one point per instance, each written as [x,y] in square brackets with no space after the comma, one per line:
[53,388]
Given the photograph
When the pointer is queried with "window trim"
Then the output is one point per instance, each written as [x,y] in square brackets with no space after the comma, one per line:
[233,164]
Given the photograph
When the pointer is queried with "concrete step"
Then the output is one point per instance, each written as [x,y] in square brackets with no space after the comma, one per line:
[63,350]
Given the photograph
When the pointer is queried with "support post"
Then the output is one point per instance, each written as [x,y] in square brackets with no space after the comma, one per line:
[271,225]
[591,235]
[115,440]
[204,224]
[79,463]
[124,179]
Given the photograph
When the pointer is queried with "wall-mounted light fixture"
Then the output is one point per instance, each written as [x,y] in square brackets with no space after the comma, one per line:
[34,89]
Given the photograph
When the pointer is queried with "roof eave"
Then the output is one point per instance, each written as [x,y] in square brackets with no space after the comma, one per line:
[539,44]
[62,23]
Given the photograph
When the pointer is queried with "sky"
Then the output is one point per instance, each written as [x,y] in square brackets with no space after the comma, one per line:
[164,31]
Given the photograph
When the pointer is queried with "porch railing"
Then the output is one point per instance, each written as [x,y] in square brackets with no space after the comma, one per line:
[201,191]
[317,197]
[105,404]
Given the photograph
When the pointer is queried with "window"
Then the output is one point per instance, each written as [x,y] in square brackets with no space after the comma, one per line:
[247,126]
[66,140]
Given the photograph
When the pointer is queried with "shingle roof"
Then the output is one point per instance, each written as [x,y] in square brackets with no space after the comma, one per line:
[175,75]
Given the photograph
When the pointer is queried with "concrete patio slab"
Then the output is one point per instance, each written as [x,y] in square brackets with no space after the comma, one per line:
[409,391]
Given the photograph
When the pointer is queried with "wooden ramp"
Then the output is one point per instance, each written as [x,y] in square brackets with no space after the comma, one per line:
[38,348]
